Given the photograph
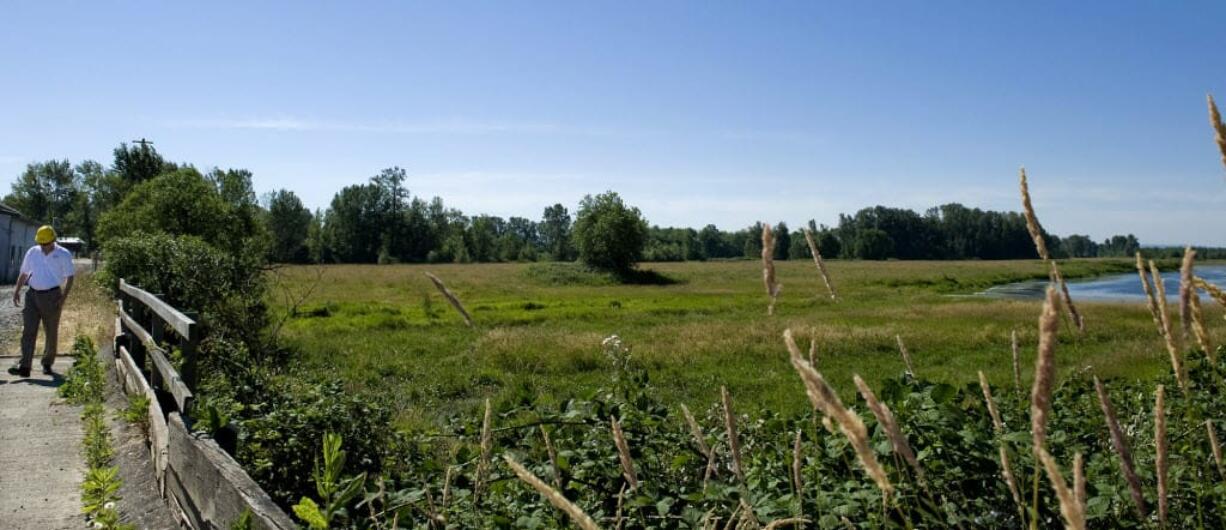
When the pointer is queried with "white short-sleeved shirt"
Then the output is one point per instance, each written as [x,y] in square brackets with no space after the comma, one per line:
[47,270]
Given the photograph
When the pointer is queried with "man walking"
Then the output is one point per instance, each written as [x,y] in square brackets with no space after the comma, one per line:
[47,268]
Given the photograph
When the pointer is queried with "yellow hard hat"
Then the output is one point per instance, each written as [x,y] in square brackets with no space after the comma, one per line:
[45,235]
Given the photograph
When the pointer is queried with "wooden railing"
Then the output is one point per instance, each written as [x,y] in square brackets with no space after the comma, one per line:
[145,317]
[202,482]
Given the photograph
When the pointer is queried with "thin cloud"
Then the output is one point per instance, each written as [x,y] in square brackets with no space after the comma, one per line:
[306,125]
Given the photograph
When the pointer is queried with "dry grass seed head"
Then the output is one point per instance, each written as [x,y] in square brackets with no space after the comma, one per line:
[1078,321]
[821,265]
[1185,291]
[1119,443]
[1172,345]
[576,514]
[451,297]
[1070,508]
[1216,448]
[1150,301]
[623,453]
[997,424]
[695,431]
[885,417]
[825,399]
[1032,221]
[906,355]
[1219,129]
[1017,362]
[734,442]
[1044,370]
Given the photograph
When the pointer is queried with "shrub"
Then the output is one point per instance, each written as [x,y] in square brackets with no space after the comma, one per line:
[226,289]
[609,235]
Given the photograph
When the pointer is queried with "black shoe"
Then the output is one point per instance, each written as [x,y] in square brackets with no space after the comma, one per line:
[47,370]
[18,371]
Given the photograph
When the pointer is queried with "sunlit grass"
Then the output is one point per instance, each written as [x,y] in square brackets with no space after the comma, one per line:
[386,329]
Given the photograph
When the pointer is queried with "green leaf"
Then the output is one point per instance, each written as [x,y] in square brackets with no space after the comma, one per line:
[309,513]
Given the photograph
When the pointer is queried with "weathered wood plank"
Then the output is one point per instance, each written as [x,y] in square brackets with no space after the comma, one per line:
[133,326]
[170,378]
[128,372]
[214,487]
[159,436]
[177,320]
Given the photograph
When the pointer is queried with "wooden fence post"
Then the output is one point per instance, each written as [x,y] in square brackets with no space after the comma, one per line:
[188,347]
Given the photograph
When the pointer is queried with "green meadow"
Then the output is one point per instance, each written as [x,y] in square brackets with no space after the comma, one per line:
[694,326]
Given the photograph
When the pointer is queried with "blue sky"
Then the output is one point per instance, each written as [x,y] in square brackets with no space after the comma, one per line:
[702,112]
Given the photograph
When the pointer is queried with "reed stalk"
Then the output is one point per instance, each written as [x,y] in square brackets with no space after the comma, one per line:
[1044,370]
[553,458]
[768,267]
[1120,444]
[576,514]
[797,480]
[998,426]
[823,398]
[1070,508]
[1172,346]
[1185,291]
[1017,362]
[487,445]
[906,355]
[1161,461]
[1150,301]
[1078,321]
[734,442]
[1212,290]
[623,453]
[1199,329]
[885,417]
[1216,448]
[821,265]
[798,522]
[696,431]
[1032,221]
[1219,129]
[451,297]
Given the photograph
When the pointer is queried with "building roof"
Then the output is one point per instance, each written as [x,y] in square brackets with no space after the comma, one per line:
[9,210]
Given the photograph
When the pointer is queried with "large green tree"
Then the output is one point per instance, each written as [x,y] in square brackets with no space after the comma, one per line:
[555,231]
[289,223]
[184,202]
[608,234]
[46,192]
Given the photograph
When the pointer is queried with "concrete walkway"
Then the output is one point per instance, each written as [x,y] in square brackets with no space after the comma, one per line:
[41,466]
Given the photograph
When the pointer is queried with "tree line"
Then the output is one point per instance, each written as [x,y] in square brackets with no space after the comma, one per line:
[381,221]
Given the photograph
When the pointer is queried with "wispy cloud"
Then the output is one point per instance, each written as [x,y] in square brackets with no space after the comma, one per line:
[456,126]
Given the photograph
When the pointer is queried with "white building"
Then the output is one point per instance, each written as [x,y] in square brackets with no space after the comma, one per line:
[16,236]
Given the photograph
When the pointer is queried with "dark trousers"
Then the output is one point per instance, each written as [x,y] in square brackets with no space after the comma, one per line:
[41,307]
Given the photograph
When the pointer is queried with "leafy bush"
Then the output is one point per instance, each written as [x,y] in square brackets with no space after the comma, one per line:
[608,234]
[283,421]
[227,289]
[949,427]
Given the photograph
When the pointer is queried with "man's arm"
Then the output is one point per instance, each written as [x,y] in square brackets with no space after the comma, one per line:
[67,289]
[21,282]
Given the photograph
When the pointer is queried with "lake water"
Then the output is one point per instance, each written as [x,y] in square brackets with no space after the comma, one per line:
[1113,288]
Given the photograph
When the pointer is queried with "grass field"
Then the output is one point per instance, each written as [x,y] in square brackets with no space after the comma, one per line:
[539,329]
